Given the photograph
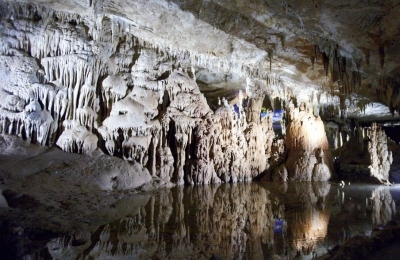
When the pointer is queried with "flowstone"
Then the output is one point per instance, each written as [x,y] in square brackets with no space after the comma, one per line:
[306,140]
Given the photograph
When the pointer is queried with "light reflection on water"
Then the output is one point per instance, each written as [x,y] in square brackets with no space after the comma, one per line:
[233,221]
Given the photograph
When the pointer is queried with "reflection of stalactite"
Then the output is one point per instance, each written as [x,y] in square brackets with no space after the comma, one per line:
[383,206]
[310,225]
[229,221]
[359,210]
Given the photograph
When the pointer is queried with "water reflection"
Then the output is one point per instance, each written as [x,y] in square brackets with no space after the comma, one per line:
[308,223]
[230,221]
[357,208]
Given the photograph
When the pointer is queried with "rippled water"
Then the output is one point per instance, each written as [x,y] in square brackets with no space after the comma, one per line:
[233,221]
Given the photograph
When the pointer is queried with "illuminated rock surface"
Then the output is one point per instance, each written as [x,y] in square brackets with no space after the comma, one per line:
[305,141]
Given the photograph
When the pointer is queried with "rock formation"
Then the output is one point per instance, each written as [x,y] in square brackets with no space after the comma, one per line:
[84,88]
[380,157]
[307,146]
[104,98]
[97,75]
[366,154]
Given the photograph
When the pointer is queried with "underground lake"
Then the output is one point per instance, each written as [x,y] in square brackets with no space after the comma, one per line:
[255,220]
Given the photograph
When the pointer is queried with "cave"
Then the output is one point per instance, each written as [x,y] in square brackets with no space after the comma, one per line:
[218,129]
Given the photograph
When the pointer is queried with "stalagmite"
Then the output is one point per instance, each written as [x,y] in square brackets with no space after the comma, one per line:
[321,171]
[173,103]
[380,157]
[105,81]
[305,140]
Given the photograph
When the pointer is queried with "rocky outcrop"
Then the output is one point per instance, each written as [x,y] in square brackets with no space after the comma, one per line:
[394,173]
[321,171]
[123,84]
[21,160]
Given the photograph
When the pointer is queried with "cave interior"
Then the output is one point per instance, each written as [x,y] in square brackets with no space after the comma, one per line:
[106,99]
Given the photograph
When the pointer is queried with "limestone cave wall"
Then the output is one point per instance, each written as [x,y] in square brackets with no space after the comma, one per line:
[86,82]
[95,80]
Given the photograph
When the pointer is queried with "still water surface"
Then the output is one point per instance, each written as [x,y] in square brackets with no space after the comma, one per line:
[235,221]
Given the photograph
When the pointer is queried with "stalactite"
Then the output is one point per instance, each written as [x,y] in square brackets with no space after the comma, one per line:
[270,56]
[325,61]
[153,112]
[380,157]
[381,53]
[314,56]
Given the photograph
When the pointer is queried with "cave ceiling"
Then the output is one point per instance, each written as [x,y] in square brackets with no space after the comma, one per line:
[346,49]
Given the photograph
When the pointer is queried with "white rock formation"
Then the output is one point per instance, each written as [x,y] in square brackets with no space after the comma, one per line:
[124,84]
[23,161]
[365,155]
[380,157]
[321,171]
[86,82]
